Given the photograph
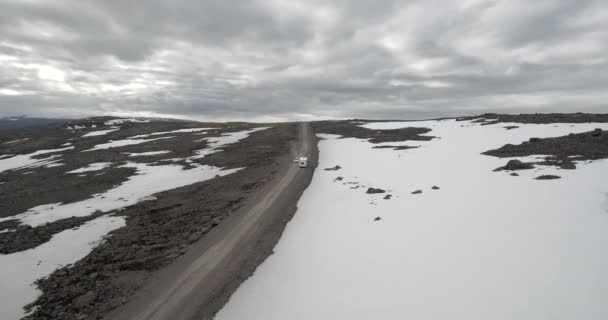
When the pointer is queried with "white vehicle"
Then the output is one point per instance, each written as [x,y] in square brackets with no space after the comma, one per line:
[302,162]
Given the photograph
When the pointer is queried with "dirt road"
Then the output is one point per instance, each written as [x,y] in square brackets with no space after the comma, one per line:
[198,284]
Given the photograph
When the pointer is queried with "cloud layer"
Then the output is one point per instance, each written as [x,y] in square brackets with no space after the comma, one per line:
[302,59]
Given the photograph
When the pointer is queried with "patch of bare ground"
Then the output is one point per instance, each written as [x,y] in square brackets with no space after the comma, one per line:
[562,151]
[538,118]
[352,129]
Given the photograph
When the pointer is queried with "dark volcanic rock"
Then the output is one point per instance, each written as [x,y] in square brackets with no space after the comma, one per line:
[159,231]
[417,192]
[514,174]
[377,219]
[338,179]
[435,188]
[374,191]
[548,177]
[350,129]
[387,197]
[511,127]
[597,132]
[396,148]
[543,118]
[515,165]
[85,300]
[591,145]
[336,168]
[568,165]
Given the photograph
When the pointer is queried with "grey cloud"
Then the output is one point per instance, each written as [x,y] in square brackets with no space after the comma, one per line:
[268,58]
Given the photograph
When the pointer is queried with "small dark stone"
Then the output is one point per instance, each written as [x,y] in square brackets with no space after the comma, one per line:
[514,174]
[534,139]
[336,168]
[569,165]
[517,165]
[338,179]
[387,197]
[377,219]
[374,191]
[597,132]
[511,127]
[417,192]
[435,188]
[394,147]
[548,177]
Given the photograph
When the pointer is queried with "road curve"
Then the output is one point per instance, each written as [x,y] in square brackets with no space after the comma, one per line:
[198,284]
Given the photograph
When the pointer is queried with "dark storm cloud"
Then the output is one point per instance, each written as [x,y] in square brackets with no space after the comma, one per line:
[272,59]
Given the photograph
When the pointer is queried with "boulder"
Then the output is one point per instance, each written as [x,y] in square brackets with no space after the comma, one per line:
[517,165]
[377,219]
[387,197]
[597,132]
[548,177]
[569,165]
[514,174]
[374,191]
[336,168]
[417,192]
[435,188]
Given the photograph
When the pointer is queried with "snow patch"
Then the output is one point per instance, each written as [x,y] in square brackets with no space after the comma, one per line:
[76,127]
[16,141]
[148,181]
[486,245]
[149,153]
[215,144]
[122,143]
[100,132]
[54,164]
[114,122]
[97,166]
[27,160]
[19,271]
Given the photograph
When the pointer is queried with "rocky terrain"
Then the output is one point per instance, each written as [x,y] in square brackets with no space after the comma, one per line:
[538,118]
[157,231]
[352,129]
[560,151]
[85,158]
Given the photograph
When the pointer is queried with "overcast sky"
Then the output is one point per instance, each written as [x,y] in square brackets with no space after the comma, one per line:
[280,59]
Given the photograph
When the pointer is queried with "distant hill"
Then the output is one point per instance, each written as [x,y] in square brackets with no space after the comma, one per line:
[19,122]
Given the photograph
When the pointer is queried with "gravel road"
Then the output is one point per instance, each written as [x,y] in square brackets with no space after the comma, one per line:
[198,284]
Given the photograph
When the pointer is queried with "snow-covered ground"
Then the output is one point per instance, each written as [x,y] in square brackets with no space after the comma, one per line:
[27,160]
[20,270]
[122,143]
[16,141]
[114,122]
[486,245]
[149,153]
[100,132]
[148,181]
[97,166]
